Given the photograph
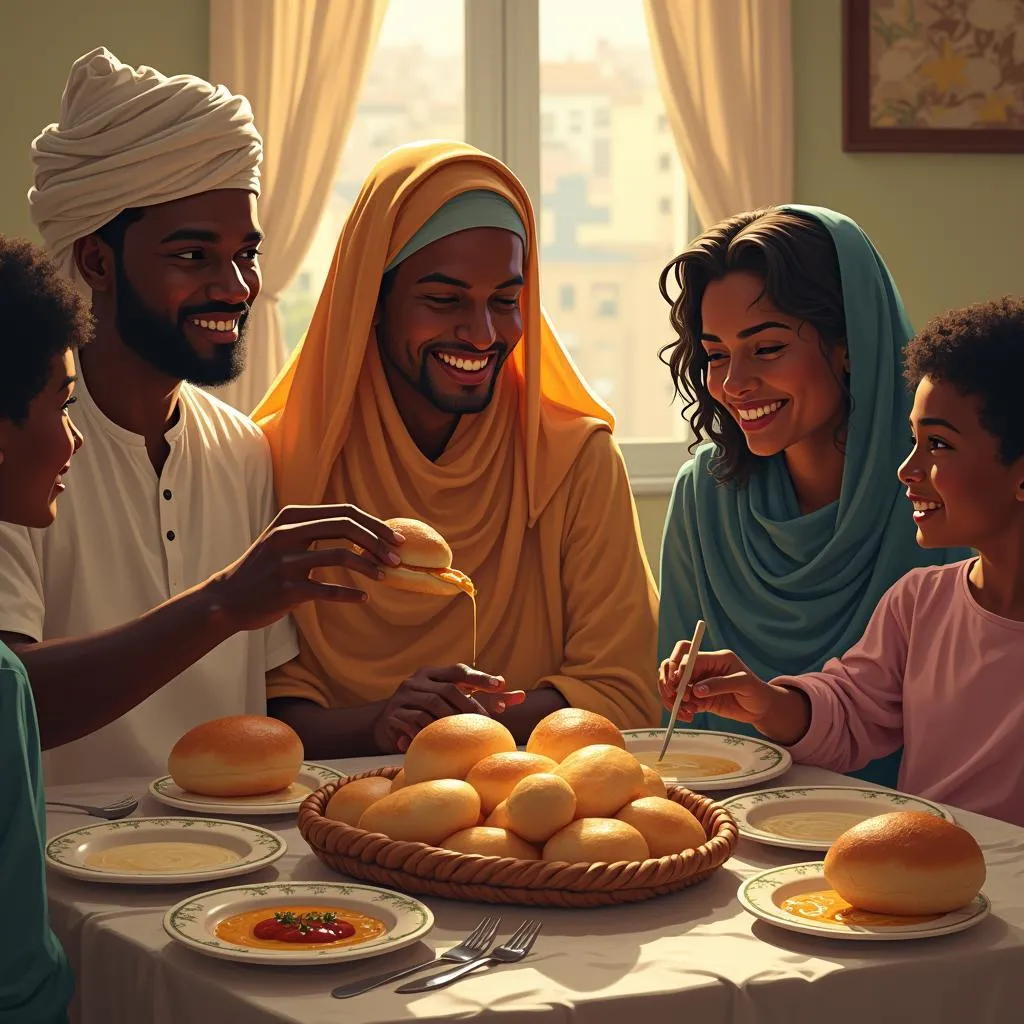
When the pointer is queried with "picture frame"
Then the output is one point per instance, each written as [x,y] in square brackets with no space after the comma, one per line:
[931,76]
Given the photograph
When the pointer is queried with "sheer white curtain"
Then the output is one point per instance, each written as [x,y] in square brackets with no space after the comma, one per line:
[726,75]
[301,63]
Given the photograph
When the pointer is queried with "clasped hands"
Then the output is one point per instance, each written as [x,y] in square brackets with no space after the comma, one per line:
[434,693]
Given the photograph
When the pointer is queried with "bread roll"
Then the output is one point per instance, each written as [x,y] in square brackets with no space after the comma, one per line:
[666,826]
[424,812]
[653,782]
[539,806]
[491,842]
[494,776]
[349,802]
[604,778]
[398,781]
[498,818]
[449,747]
[557,735]
[908,862]
[241,755]
[596,840]
[426,566]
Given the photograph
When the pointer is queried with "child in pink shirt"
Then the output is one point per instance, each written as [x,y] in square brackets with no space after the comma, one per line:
[940,667]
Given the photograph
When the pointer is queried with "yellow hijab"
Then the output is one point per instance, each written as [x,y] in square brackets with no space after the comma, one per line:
[494,493]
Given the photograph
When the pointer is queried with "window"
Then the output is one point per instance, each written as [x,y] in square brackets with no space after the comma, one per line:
[414,89]
[564,91]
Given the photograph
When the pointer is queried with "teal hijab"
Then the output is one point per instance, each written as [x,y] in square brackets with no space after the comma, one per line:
[787,591]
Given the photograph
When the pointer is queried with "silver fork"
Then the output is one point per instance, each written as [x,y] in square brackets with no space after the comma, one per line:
[510,952]
[471,948]
[118,809]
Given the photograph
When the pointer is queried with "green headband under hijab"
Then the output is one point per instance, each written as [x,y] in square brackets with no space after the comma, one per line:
[479,208]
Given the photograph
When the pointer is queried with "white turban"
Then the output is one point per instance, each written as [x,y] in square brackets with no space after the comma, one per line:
[129,138]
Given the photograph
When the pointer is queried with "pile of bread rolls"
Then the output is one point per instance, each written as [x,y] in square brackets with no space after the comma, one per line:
[575,794]
[241,755]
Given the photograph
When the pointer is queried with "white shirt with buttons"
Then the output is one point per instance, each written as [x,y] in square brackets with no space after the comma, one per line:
[126,540]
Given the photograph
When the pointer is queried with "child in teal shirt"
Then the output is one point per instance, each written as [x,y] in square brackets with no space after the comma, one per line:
[41,320]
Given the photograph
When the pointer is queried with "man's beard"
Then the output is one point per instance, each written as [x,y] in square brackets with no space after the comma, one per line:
[165,346]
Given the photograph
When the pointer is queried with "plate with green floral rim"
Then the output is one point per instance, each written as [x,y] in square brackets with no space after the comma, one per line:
[813,817]
[194,922]
[201,849]
[764,894]
[704,761]
[285,801]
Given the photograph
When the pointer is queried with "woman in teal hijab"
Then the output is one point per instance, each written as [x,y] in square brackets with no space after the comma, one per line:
[786,530]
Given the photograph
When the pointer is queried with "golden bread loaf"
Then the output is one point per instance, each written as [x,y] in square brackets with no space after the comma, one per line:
[424,812]
[494,776]
[449,747]
[241,755]
[557,735]
[906,863]
[667,827]
[594,841]
[604,778]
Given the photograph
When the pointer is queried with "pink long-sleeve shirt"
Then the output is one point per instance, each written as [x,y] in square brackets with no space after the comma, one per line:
[938,674]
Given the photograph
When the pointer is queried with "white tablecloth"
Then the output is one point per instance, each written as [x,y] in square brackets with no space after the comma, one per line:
[695,956]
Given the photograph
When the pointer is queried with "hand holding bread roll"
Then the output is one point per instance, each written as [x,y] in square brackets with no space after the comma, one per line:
[241,755]
[906,863]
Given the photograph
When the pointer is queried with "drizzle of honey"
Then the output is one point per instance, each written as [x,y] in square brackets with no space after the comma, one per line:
[828,907]
[239,928]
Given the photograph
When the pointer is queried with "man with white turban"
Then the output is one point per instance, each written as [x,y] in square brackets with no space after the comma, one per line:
[159,599]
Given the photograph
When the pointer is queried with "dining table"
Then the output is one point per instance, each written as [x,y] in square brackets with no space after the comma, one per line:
[691,957]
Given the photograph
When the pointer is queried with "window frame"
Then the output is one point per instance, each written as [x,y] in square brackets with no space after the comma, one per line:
[502,97]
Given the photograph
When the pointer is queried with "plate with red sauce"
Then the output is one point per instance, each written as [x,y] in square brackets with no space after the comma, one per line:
[298,923]
[797,897]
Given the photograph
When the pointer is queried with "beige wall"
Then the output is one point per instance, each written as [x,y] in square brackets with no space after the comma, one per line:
[950,227]
[38,42]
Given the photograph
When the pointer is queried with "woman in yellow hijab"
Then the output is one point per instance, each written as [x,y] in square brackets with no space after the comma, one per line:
[523,478]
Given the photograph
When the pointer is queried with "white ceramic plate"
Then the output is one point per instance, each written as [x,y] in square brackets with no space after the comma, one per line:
[286,801]
[763,895]
[194,921]
[748,760]
[754,812]
[255,848]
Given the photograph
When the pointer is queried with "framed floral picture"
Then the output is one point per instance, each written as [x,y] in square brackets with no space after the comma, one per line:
[933,76]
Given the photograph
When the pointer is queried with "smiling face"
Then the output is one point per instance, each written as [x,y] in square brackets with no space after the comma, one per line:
[183,282]
[962,494]
[447,320]
[768,370]
[37,452]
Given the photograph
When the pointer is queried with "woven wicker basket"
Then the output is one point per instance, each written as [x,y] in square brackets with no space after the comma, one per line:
[418,868]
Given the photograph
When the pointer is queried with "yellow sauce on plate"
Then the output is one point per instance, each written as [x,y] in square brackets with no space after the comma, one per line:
[239,928]
[822,826]
[688,766]
[828,907]
[160,858]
